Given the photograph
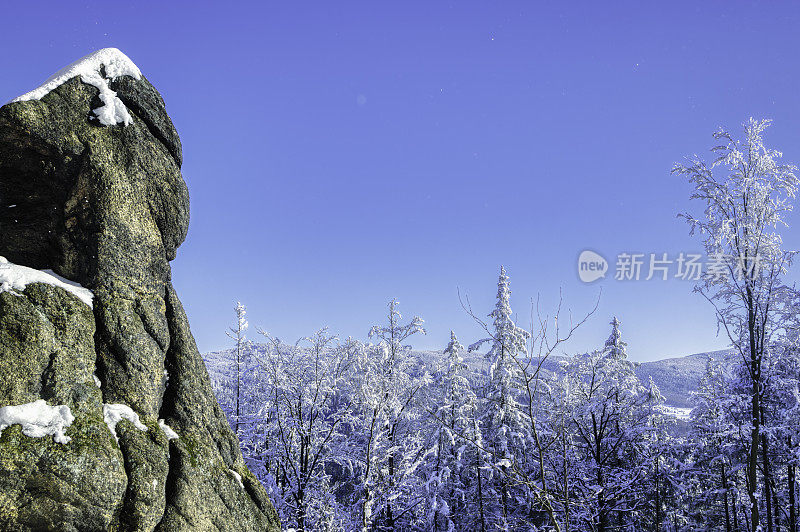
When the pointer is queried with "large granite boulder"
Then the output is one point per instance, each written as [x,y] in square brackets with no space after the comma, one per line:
[91,188]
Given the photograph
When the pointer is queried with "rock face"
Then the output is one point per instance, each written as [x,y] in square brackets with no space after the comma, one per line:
[104,205]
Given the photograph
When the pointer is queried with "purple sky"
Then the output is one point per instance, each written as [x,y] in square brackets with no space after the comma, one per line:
[340,154]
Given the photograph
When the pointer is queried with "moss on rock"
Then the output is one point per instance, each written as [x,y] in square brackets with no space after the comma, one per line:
[107,207]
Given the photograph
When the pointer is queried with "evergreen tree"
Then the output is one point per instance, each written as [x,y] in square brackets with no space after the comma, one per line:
[503,433]
[238,364]
[447,474]
[613,419]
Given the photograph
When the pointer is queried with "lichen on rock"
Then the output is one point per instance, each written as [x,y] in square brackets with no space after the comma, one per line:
[107,208]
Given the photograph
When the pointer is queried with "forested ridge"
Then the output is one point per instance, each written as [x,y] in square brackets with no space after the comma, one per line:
[352,435]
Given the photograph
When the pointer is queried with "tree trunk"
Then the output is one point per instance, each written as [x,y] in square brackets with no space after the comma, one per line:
[768,485]
[504,494]
[755,433]
[602,514]
[238,382]
[366,509]
[725,494]
[566,488]
[301,510]
[658,499]
[389,513]
[735,512]
[437,513]
[791,481]
[480,489]
[746,517]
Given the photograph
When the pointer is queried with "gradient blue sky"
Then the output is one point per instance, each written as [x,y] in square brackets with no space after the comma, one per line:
[340,154]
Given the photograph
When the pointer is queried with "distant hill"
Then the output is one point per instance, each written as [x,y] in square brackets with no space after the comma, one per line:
[676,378]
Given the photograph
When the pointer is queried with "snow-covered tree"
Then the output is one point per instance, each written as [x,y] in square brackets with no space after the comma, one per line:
[612,416]
[502,416]
[746,192]
[615,347]
[304,424]
[447,469]
[716,442]
[547,468]
[238,364]
[390,446]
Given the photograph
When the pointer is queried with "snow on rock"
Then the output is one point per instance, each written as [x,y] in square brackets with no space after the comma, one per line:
[38,419]
[237,476]
[91,69]
[97,381]
[114,413]
[170,434]
[14,277]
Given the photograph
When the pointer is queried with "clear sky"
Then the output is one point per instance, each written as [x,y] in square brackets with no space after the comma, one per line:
[339,154]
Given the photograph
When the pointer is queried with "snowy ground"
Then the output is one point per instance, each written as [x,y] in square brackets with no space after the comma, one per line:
[677,412]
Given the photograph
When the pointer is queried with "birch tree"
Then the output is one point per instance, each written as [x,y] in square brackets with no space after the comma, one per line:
[746,192]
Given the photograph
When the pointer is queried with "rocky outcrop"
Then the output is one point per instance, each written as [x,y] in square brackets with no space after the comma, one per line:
[91,188]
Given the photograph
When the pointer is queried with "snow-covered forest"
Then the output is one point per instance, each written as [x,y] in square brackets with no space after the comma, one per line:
[352,435]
